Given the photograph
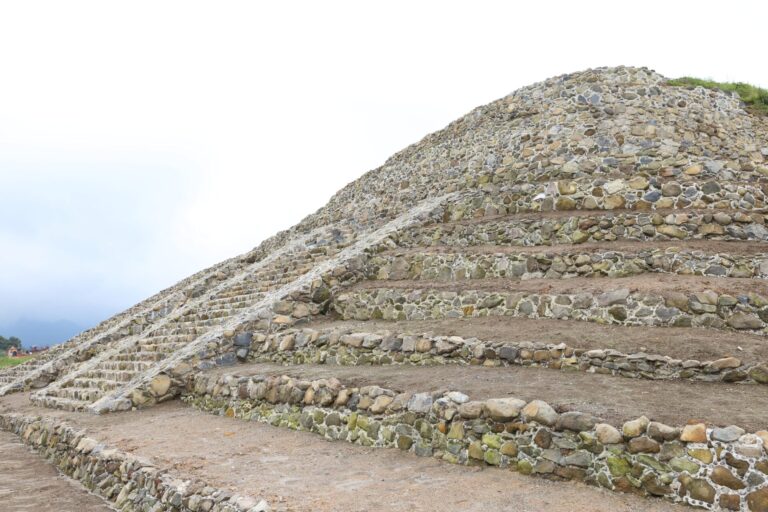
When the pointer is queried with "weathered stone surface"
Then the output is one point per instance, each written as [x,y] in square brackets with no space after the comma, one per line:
[540,412]
[635,428]
[643,445]
[699,489]
[380,404]
[613,297]
[696,433]
[745,321]
[661,432]
[607,434]
[503,409]
[722,476]
[420,402]
[757,501]
[727,434]
[160,385]
[576,421]
[471,410]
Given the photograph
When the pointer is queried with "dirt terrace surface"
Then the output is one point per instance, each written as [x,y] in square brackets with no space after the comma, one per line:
[648,283]
[676,342]
[301,472]
[736,247]
[28,482]
[614,399]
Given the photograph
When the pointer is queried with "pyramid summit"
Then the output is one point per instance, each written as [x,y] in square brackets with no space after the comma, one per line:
[567,282]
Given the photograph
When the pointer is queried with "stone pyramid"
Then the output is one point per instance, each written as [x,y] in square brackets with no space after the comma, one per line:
[596,241]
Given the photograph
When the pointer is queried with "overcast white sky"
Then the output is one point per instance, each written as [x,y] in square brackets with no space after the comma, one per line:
[142,141]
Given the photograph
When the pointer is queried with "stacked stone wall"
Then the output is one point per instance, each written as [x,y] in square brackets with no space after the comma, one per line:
[354,348]
[538,230]
[697,464]
[619,307]
[457,266]
[692,186]
[125,481]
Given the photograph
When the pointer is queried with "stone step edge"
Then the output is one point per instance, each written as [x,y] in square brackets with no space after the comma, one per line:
[354,347]
[715,468]
[119,478]
[619,306]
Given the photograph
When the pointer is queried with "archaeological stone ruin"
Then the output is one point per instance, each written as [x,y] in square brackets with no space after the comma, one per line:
[569,283]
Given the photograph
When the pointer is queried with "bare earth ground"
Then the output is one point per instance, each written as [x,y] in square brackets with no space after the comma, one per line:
[650,282]
[301,472]
[677,342]
[28,482]
[614,399]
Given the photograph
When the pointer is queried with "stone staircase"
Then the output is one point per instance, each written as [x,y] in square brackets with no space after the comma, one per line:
[130,324]
[129,358]
[118,396]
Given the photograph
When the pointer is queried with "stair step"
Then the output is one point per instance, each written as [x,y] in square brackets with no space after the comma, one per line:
[95,383]
[66,403]
[89,395]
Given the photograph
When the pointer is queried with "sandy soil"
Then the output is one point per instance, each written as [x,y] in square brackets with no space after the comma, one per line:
[627,246]
[614,399]
[28,482]
[651,282]
[297,471]
[677,342]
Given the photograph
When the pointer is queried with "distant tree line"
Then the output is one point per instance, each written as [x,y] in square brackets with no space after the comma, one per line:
[6,343]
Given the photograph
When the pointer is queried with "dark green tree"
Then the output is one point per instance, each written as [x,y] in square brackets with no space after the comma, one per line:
[6,343]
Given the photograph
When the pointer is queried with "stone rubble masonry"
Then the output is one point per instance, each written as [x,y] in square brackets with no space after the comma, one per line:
[711,189]
[712,468]
[355,348]
[457,266]
[125,481]
[621,306]
[595,227]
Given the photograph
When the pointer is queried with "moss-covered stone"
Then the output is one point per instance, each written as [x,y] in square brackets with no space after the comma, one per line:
[404,442]
[492,457]
[618,466]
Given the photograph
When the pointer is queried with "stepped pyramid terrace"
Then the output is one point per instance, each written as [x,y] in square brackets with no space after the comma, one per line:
[557,302]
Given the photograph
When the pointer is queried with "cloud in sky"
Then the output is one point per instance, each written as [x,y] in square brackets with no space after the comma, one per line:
[142,141]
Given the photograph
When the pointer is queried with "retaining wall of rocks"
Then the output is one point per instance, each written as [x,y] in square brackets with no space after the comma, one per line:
[715,468]
[334,346]
[622,307]
[689,186]
[528,231]
[125,481]
[454,266]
